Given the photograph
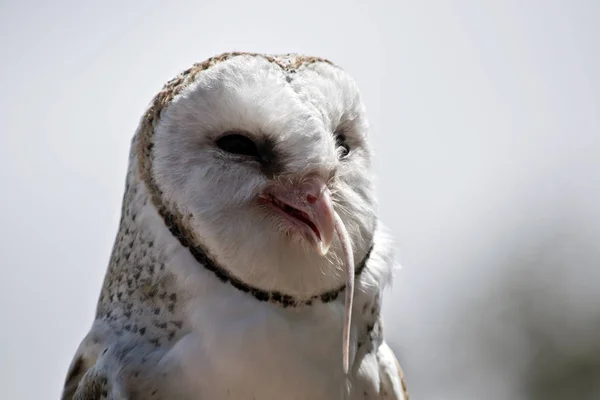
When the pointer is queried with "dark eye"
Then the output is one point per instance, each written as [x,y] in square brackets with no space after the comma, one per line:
[340,141]
[238,144]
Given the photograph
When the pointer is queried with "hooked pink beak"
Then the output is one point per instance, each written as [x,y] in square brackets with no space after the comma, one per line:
[306,208]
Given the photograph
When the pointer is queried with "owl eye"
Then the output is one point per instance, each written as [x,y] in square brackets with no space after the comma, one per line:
[238,144]
[340,141]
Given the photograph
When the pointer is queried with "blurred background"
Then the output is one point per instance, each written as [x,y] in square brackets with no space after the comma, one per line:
[486,124]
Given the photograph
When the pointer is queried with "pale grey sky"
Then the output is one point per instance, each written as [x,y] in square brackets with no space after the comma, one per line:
[486,121]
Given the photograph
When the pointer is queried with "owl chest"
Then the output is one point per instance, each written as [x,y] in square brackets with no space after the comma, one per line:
[262,353]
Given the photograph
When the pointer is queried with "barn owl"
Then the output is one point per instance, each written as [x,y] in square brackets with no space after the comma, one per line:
[249,261]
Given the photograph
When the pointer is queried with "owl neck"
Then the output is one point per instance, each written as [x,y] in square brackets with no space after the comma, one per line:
[204,259]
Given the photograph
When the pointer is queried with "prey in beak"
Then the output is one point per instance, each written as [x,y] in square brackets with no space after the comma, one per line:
[307,208]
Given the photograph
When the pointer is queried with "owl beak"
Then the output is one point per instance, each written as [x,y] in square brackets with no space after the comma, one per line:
[307,207]
[320,206]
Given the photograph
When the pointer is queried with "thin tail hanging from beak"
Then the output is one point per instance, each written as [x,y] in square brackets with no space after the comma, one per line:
[348,255]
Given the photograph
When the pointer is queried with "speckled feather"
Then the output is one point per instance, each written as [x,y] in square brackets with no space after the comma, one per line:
[145,323]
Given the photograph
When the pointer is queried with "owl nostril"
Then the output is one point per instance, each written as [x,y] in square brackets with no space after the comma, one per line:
[311,198]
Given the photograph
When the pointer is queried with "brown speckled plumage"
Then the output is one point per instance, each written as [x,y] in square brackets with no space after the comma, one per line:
[136,280]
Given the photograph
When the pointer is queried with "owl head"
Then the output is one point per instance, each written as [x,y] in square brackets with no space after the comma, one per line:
[249,156]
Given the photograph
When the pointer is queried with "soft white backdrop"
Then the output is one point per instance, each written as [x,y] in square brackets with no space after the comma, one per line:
[486,123]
